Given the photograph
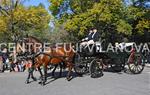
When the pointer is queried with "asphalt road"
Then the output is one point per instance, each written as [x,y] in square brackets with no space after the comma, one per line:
[110,84]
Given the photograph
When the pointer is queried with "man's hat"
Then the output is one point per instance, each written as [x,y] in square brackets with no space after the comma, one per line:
[92,28]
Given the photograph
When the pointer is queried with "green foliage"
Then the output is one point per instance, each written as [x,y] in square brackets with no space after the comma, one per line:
[142,25]
[139,18]
[31,18]
[108,16]
[18,19]
[124,27]
[74,18]
[55,5]
[103,14]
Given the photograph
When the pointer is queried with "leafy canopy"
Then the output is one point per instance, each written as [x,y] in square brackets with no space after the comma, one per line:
[15,18]
[109,16]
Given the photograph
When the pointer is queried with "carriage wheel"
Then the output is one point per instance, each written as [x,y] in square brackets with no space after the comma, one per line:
[80,66]
[135,64]
[96,68]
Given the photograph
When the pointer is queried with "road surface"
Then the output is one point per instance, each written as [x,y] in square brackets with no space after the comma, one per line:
[110,84]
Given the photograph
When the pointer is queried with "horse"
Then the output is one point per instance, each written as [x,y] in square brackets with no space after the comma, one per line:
[53,56]
[26,56]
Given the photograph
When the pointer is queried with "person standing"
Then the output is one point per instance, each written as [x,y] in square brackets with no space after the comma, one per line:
[5,58]
[1,62]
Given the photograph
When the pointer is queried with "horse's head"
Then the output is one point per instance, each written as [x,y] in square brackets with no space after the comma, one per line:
[31,39]
[27,46]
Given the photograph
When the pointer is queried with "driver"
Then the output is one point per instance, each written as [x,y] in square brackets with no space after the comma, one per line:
[91,38]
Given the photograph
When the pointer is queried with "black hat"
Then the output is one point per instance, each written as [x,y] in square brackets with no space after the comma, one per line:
[94,28]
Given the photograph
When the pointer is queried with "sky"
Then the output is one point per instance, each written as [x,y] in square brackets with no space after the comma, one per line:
[37,2]
[46,4]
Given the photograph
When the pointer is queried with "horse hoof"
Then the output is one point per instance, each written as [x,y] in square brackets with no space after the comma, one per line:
[69,78]
[42,83]
[34,79]
[27,82]
[96,75]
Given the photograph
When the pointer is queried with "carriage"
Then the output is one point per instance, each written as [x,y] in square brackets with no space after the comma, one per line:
[120,57]
[91,58]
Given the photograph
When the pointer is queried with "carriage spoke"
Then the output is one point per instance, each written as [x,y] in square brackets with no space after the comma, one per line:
[136,69]
[139,69]
[131,66]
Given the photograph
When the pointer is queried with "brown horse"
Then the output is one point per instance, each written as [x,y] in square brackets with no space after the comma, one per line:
[53,56]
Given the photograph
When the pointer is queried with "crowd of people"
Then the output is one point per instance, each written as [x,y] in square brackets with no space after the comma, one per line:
[7,62]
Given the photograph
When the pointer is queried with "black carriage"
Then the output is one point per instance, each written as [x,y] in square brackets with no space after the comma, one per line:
[121,57]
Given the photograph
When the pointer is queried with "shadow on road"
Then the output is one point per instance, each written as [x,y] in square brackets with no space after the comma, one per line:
[51,78]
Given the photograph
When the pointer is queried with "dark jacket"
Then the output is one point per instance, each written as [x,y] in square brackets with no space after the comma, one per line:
[95,36]
[89,36]
[4,56]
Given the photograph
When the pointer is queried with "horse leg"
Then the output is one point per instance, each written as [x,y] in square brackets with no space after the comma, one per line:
[69,72]
[11,68]
[29,75]
[44,78]
[41,77]
[54,71]
[61,67]
[45,73]
[39,69]
[32,76]
[32,69]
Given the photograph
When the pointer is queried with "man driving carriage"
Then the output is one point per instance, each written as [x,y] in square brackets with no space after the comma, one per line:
[89,41]
[91,38]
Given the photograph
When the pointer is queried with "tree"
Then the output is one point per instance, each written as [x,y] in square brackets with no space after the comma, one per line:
[138,17]
[112,17]
[108,16]
[16,19]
